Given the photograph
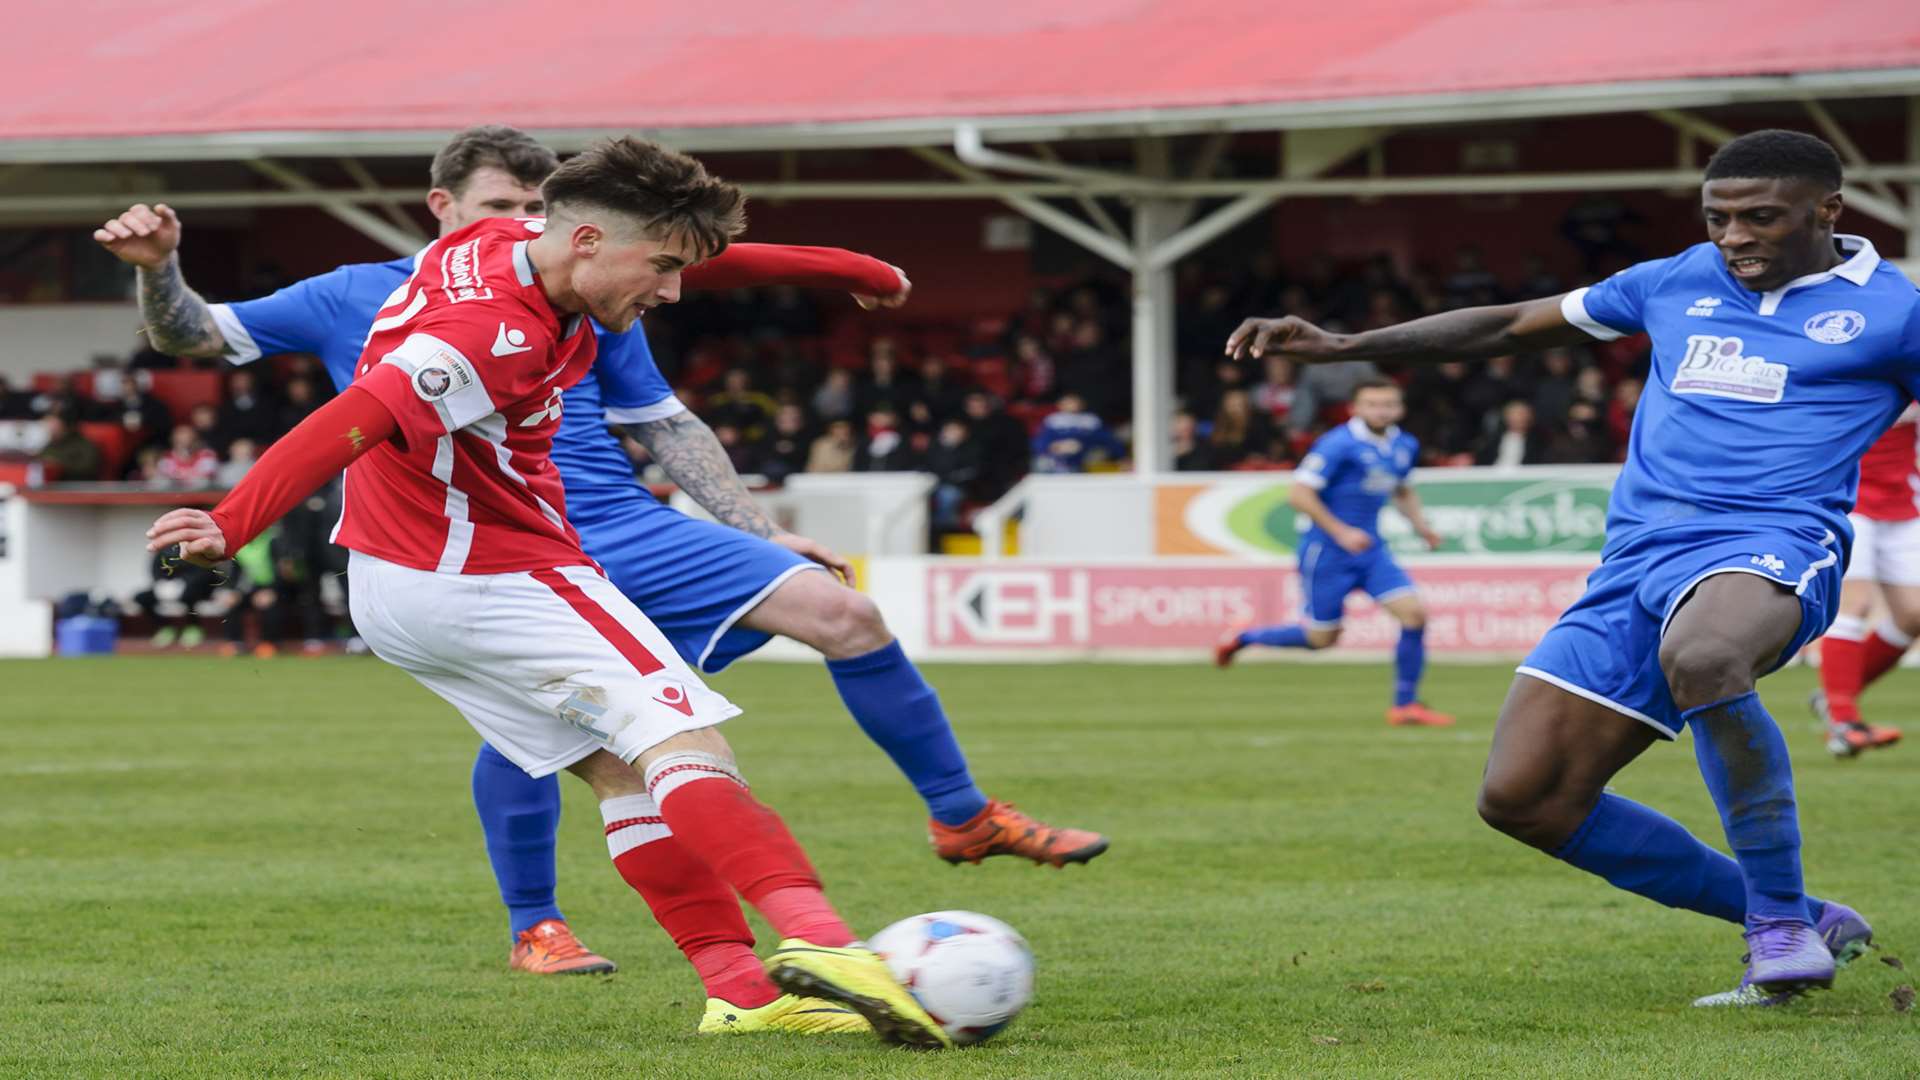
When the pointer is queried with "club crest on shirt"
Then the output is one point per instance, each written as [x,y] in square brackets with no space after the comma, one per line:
[1836,327]
[1715,367]
[440,375]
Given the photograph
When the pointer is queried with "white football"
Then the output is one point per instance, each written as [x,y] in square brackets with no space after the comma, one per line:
[971,972]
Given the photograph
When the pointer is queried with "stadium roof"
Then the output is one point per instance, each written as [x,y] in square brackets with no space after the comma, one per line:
[115,80]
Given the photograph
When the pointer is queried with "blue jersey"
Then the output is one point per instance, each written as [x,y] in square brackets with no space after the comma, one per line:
[1756,402]
[329,316]
[1356,471]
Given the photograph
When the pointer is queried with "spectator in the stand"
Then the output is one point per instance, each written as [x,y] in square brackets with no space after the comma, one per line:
[833,450]
[786,448]
[248,412]
[1517,441]
[1590,386]
[14,405]
[835,398]
[300,400]
[742,453]
[1273,395]
[146,418]
[67,399]
[741,406]
[205,422]
[68,456]
[785,311]
[1324,386]
[1594,227]
[188,462]
[1536,280]
[1087,369]
[1241,435]
[955,461]
[1443,421]
[1189,453]
[1582,439]
[240,459]
[886,447]
[939,390]
[255,592]
[1471,283]
[1035,374]
[1071,438]
[1003,444]
[1620,410]
[179,588]
[885,383]
[305,561]
[1498,381]
[1554,391]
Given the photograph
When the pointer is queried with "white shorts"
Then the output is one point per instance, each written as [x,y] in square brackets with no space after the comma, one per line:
[547,665]
[1885,551]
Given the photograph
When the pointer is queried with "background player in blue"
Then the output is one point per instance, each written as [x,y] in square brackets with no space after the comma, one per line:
[1780,352]
[717,591]
[1341,486]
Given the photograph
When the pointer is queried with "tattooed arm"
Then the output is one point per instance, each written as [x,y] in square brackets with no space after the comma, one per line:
[1452,335]
[688,452]
[178,320]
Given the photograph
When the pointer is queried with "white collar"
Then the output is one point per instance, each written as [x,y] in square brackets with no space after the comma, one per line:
[1358,429]
[1862,261]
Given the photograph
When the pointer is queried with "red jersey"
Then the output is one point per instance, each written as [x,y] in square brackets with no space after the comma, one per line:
[1890,473]
[471,359]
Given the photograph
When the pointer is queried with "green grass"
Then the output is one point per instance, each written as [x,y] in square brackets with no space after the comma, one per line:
[238,868]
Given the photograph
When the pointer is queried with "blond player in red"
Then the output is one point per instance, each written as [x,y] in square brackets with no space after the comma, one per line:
[1885,576]
[466,574]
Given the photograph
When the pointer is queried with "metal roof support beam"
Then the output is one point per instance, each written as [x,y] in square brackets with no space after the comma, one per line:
[1114,251]
[1912,261]
[1087,202]
[1849,150]
[973,150]
[1156,221]
[390,207]
[1883,210]
[370,225]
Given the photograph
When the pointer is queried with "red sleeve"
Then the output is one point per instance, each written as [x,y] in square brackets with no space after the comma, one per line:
[306,457]
[746,265]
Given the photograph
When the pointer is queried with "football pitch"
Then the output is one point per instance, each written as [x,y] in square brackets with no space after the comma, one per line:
[243,868]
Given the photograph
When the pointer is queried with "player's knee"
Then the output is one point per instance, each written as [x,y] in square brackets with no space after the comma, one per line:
[1321,637]
[1703,670]
[850,624]
[1521,809]
[1414,618]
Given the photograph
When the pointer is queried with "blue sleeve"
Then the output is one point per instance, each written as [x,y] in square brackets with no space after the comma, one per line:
[298,318]
[1617,306]
[1323,461]
[1909,363]
[1413,457]
[631,385]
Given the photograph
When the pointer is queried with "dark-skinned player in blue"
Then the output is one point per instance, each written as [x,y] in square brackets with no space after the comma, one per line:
[1781,351]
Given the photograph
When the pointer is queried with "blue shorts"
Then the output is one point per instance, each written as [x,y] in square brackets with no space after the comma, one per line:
[694,579]
[1606,648]
[1328,572]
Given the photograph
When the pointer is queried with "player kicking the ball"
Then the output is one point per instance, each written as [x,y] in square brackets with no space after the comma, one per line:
[466,574]
[1885,570]
[1726,533]
[1340,486]
[716,591]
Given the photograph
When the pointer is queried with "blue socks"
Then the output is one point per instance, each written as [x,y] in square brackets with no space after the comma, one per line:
[1291,636]
[1409,661]
[1743,758]
[1647,853]
[902,714]
[519,817]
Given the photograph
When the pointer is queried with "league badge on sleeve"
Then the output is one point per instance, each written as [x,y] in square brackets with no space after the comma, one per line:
[1836,327]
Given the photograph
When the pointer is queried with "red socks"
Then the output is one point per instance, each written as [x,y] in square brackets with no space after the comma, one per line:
[1842,664]
[694,906]
[708,808]
[1881,652]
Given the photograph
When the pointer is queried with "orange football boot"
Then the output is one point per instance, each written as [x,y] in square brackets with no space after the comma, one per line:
[1229,646]
[549,948]
[1001,829]
[1414,714]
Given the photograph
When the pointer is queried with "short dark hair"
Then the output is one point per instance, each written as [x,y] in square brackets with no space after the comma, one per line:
[1375,382]
[497,146]
[1775,154]
[667,192]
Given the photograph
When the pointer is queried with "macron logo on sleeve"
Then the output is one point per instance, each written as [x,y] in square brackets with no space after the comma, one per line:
[510,340]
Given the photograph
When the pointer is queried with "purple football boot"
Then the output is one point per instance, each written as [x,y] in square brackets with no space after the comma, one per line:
[1786,959]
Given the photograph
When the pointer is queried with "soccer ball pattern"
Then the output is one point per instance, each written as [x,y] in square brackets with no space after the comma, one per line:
[971,972]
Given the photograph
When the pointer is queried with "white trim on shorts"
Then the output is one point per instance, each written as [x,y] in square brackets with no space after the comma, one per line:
[1395,594]
[1597,699]
[740,612]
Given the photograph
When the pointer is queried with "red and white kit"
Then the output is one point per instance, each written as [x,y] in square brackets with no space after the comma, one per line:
[465,572]
[1886,516]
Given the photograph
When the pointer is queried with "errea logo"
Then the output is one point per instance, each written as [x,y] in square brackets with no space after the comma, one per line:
[1704,306]
[1770,563]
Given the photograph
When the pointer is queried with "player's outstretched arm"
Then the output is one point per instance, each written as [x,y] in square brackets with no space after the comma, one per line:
[1407,501]
[1465,334]
[291,469]
[872,282]
[178,320]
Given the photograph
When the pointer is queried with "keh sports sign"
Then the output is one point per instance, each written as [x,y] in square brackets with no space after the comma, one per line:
[1019,606]
[1478,512]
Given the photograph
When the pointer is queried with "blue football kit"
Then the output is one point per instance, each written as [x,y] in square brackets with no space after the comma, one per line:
[1355,472]
[1744,453]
